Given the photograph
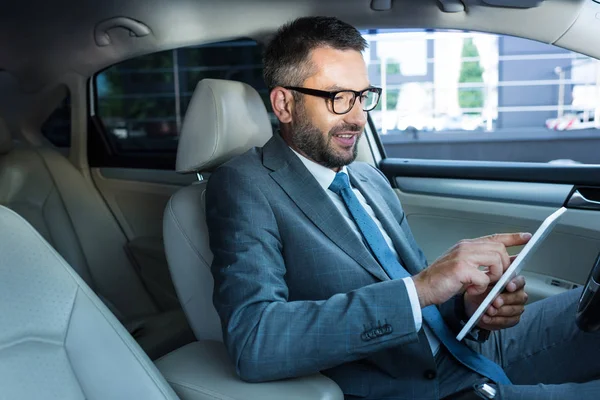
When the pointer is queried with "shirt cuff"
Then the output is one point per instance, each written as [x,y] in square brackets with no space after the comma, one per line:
[414,302]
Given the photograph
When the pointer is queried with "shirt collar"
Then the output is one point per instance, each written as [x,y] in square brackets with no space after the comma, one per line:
[323,175]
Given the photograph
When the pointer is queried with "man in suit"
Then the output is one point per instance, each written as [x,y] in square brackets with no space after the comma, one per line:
[316,268]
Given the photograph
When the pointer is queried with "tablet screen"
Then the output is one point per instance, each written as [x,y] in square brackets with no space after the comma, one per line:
[514,269]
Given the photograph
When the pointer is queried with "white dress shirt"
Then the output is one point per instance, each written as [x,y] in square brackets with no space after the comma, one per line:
[325,177]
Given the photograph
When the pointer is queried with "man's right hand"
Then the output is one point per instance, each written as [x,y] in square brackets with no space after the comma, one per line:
[460,268]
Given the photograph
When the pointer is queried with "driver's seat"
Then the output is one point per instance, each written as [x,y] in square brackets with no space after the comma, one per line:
[57,339]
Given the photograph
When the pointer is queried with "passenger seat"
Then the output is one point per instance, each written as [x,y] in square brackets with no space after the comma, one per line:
[66,209]
[223,119]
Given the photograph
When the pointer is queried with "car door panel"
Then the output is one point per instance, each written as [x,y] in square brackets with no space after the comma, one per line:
[442,210]
[137,199]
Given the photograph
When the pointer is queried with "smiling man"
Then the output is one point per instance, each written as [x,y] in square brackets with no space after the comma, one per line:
[316,268]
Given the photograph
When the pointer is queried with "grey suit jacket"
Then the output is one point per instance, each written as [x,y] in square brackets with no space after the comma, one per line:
[298,292]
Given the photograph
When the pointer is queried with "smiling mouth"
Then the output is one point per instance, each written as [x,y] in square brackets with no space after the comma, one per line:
[347,134]
[346,140]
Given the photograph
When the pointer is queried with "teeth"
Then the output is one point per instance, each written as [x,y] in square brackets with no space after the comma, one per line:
[345,136]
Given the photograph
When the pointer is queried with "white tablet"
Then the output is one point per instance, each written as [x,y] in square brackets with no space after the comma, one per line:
[514,269]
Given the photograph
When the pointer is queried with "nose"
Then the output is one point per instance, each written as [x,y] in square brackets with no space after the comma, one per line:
[356,115]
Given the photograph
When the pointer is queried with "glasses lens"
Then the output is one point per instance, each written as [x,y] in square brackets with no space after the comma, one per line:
[343,102]
[370,99]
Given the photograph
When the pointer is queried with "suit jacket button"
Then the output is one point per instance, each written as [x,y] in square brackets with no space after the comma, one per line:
[429,374]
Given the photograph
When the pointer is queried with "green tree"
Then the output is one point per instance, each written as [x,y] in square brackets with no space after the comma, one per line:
[392,100]
[392,67]
[471,71]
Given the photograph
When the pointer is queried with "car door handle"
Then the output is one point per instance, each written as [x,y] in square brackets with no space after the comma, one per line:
[578,200]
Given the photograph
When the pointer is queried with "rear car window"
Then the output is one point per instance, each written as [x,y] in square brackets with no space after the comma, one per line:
[142,102]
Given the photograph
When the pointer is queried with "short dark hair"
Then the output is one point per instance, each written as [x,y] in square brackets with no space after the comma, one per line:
[286,56]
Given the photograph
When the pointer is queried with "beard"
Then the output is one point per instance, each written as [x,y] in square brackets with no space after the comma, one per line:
[310,140]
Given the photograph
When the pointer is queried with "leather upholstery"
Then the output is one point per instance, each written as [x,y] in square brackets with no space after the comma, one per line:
[223,119]
[58,340]
[189,257]
[42,186]
[202,371]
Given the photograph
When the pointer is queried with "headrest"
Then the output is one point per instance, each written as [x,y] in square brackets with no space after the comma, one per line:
[224,119]
[5,138]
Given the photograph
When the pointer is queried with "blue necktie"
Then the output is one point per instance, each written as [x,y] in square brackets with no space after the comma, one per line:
[395,270]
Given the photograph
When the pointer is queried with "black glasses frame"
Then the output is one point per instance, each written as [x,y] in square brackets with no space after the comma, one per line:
[332,95]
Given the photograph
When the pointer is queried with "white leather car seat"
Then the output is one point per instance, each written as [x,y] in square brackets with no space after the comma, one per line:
[57,339]
[223,119]
[42,186]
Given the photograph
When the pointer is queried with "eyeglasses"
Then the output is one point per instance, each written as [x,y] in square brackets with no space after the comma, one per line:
[342,101]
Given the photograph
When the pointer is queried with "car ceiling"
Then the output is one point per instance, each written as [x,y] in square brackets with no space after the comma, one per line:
[42,40]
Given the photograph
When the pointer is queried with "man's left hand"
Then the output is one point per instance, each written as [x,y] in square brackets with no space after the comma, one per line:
[505,311]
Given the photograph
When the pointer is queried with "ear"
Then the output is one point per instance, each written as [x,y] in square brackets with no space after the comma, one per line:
[282,102]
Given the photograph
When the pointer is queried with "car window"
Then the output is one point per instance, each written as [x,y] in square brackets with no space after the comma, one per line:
[475,96]
[57,127]
[142,102]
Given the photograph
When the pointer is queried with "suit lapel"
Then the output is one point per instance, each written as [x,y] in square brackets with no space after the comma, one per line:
[408,257]
[303,189]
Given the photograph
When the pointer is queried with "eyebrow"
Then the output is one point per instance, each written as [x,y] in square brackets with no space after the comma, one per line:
[336,88]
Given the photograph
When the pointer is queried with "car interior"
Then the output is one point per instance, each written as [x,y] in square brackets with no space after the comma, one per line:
[105,283]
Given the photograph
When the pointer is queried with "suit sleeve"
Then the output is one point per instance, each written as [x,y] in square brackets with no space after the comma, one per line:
[267,336]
